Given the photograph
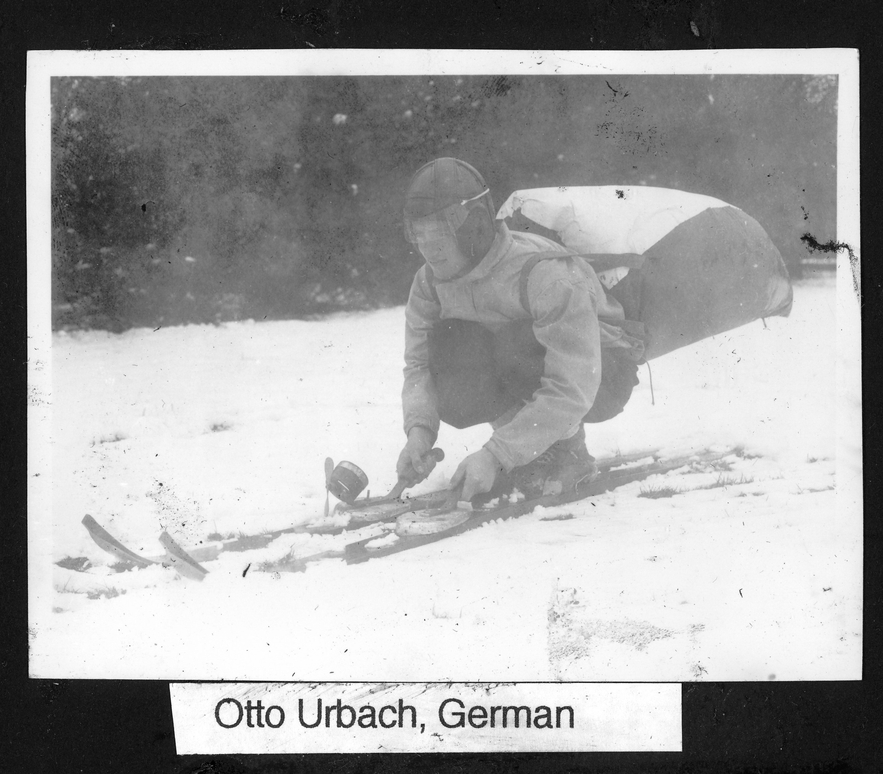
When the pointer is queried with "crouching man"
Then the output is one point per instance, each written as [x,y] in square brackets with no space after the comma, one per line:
[507,328]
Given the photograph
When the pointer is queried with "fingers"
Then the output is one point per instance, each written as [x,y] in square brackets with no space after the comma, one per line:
[479,473]
[459,473]
[403,466]
[405,471]
[470,488]
[428,462]
[466,480]
[418,463]
[421,465]
[418,448]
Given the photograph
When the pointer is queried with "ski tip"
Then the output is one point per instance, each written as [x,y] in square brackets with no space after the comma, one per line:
[180,559]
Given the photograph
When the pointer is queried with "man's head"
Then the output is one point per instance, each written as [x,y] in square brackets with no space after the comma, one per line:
[449,216]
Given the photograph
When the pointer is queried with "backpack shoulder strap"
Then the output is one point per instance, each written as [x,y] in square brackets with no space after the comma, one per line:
[529,267]
[598,261]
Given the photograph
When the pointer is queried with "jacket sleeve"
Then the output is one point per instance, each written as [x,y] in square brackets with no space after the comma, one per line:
[564,306]
[419,401]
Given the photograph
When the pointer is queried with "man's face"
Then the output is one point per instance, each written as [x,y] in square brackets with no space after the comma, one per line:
[440,250]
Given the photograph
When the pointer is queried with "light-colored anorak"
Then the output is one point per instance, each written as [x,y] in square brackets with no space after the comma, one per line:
[572,318]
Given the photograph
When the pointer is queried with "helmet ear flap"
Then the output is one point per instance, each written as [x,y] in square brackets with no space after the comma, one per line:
[476,235]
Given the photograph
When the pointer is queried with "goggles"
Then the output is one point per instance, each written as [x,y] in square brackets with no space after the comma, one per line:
[443,224]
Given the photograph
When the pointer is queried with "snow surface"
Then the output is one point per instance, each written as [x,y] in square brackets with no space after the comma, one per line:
[750,573]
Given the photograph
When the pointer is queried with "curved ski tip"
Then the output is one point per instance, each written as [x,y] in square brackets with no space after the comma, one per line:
[180,559]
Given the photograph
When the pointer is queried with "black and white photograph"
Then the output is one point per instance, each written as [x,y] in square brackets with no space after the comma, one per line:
[427,366]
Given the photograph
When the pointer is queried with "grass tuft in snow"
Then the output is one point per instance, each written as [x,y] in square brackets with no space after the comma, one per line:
[291,565]
[77,563]
[113,438]
[659,492]
[107,592]
[725,481]
[811,490]
[123,566]
[444,614]
[559,517]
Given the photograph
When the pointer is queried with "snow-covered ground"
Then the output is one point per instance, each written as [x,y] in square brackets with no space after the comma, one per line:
[751,573]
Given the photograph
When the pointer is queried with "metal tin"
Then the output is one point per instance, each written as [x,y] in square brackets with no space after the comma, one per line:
[347,481]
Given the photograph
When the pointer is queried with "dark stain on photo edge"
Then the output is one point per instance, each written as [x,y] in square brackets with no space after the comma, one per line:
[813,245]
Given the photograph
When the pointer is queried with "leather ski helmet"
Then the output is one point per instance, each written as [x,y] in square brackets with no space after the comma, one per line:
[448,197]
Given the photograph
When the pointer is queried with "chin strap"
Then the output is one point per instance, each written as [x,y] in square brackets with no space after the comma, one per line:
[430,278]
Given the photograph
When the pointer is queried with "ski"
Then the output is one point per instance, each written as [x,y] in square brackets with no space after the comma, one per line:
[389,507]
[184,559]
[129,559]
[361,513]
[609,478]
[614,471]
[114,547]
[181,560]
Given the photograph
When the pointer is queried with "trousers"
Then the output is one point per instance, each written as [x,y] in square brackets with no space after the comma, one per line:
[479,374]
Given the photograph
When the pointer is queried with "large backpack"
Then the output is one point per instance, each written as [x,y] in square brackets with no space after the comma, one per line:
[696,265]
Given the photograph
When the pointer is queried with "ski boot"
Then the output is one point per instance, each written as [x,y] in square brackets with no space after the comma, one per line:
[561,468]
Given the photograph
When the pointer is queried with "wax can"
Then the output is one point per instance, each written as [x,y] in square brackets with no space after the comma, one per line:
[347,481]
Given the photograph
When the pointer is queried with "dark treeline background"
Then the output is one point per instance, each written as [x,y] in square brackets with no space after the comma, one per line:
[180,200]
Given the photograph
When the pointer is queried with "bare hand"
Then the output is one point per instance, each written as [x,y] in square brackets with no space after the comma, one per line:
[415,462]
[476,474]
